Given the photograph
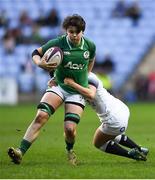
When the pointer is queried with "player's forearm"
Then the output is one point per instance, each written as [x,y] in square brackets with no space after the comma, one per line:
[36,56]
[36,59]
[40,60]
[84,91]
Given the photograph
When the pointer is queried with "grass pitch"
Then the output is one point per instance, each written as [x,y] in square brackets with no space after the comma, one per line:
[46,158]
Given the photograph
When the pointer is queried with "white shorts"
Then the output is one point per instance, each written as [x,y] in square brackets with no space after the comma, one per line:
[115,123]
[67,97]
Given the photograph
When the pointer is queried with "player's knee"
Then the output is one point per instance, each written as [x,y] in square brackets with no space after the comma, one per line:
[99,146]
[96,144]
[69,131]
[41,118]
[71,120]
[100,139]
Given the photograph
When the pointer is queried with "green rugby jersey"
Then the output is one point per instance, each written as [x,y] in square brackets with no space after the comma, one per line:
[75,61]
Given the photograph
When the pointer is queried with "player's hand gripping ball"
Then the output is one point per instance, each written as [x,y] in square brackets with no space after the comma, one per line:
[54,55]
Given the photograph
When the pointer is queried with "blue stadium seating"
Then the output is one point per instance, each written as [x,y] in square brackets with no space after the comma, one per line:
[126,43]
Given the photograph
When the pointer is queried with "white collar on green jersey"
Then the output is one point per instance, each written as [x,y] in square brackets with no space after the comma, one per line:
[82,44]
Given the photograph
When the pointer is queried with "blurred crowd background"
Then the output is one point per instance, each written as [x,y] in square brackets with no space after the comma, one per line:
[123,31]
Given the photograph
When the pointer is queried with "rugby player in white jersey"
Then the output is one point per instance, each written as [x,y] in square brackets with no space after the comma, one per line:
[114,116]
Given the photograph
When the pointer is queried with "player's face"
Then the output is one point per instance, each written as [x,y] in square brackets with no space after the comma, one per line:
[73,35]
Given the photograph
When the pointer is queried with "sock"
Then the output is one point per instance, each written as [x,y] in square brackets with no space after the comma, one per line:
[127,142]
[24,146]
[114,148]
[69,146]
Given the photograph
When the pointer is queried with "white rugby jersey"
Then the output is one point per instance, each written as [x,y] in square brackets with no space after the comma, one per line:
[104,103]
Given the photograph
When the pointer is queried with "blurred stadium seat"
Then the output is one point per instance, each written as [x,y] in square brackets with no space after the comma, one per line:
[127,44]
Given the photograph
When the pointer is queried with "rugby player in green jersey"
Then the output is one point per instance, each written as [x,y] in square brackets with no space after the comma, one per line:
[78,60]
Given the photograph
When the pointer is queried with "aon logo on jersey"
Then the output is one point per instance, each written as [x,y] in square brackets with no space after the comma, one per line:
[70,65]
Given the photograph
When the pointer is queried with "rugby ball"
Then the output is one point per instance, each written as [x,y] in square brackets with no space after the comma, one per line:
[54,55]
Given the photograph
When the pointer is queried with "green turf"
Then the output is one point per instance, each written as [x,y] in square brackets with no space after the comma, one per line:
[47,158]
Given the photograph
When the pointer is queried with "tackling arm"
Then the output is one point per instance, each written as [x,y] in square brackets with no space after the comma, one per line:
[87,92]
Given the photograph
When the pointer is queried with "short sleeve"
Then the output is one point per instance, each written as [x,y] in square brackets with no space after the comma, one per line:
[51,43]
[92,51]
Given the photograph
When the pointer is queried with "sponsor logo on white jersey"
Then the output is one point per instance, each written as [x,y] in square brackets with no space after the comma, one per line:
[71,65]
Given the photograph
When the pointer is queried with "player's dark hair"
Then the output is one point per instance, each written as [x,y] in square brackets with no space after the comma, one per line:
[74,20]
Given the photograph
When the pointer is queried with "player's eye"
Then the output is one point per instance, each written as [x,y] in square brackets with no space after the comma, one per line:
[74,32]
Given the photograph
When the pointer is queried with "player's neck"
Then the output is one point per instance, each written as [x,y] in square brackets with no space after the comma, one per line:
[73,44]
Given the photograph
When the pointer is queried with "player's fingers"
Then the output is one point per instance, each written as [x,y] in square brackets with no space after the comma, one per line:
[48,83]
[65,81]
[52,64]
[51,83]
[43,60]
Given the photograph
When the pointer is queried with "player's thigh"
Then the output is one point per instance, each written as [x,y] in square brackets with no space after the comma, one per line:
[74,104]
[72,108]
[52,99]
[101,138]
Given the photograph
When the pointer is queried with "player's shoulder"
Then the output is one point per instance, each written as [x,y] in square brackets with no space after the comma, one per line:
[88,41]
[62,37]
[62,41]
[51,43]
[57,39]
